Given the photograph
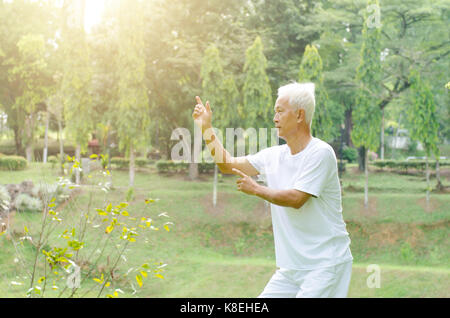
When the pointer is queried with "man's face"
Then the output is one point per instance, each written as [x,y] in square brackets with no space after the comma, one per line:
[285,118]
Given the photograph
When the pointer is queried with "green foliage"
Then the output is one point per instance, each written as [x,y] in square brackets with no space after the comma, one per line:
[76,86]
[422,115]
[25,202]
[13,163]
[120,162]
[132,101]
[367,114]
[350,154]
[257,93]
[169,166]
[5,199]
[311,71]
[409,164]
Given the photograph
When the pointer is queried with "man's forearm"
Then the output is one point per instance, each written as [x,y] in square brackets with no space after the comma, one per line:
[219,154]
[286,198]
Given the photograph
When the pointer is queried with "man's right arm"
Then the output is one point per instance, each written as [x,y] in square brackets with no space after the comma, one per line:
[222,157]
[202,117]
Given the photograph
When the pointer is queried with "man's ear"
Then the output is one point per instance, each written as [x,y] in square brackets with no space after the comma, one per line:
[300,115]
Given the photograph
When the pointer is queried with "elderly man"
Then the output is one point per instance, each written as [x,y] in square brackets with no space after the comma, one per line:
[312,245]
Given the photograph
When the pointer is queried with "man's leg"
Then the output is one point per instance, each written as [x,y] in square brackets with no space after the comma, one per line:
[280,286]
[328,282]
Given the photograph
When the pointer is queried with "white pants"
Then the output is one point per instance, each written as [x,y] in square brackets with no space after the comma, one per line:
[327,282]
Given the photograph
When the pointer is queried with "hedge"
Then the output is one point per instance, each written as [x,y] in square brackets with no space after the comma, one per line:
[165,166]
[410,164]
[125,162]
[13,163]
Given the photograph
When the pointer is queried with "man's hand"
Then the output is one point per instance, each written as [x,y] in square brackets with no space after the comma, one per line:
[202,115]
[246,184]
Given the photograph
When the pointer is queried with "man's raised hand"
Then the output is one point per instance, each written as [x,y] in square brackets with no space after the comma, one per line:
[202,115]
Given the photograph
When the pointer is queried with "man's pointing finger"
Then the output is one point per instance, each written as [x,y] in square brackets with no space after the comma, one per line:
[239,172]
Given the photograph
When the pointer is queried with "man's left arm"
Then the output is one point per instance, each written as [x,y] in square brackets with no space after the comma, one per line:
[289,198]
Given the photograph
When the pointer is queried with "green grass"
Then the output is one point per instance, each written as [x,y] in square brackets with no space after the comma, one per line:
[228,251]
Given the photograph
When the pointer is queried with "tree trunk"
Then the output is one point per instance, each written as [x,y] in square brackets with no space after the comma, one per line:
[44,155]
[366,184]
[362,158]
[193,171]
[382,135]
[216,171]
[29,139]
[61,146]
[428,180]
[348,128]
[132,171]
[29,152]
[439,186]
[78,158]
[18,141]
[108,154]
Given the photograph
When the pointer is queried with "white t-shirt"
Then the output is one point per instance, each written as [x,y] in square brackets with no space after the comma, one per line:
[314,235]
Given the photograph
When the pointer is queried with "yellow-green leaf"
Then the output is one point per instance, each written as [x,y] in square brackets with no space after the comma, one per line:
[159,276]
[139,280]
[144,273]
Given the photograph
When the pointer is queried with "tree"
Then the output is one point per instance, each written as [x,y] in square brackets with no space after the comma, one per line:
[257,93]
[29,71]
[311,71]
[21,20]
[132,102]
[422,115]
[212,85]
[76,85]
[367,115]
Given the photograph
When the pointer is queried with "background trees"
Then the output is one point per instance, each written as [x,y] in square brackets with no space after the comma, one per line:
[132,80]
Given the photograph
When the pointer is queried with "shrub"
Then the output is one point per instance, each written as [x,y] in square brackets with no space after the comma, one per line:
[141,162]
[24,202]
[52,159]
[350,154]
[5,199]
[168,166]
[13,163]
[120,162]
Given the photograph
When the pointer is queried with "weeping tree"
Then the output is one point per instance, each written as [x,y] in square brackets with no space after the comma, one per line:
[212,86]
[422,116]
[257,93]
[76,83]
[29,72]
[366,113]
[311,71]
[132,103]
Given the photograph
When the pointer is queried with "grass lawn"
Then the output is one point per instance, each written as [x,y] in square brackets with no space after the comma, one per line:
[227,250]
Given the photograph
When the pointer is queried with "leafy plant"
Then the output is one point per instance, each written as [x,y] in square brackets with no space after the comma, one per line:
[84,257]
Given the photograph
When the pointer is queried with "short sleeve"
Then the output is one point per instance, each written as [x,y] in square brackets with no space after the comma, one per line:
[319,168]
[259,159]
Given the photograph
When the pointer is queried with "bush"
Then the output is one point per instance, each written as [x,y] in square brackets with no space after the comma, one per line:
[5,199]
[52,159]
[168,166]
[46,192]
[13,163]
[410,164]
[141,162]
[120,162]
[350,154]
[24,202]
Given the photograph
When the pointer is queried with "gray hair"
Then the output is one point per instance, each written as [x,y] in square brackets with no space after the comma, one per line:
[300,96]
